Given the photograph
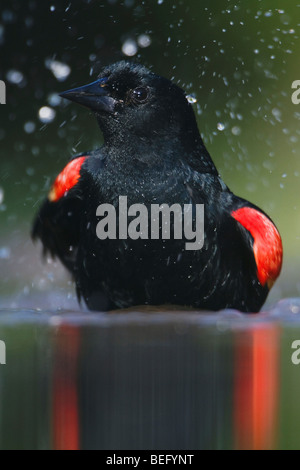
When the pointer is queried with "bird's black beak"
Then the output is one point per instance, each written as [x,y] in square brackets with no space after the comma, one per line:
[94,96]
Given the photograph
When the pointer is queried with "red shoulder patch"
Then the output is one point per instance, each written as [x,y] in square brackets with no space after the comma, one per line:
[66,180]
[267,246]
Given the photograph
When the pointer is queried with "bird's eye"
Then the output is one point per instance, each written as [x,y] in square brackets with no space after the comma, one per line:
[140,94]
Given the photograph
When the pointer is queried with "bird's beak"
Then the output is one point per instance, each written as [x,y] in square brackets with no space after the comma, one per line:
[94,96]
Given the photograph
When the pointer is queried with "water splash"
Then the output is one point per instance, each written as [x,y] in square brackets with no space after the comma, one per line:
[15,77]
[144,40]
[46,114]
[60,70]
[129,47]
[29,127]
[191,99]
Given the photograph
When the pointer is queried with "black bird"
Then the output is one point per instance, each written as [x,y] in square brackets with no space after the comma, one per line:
[153,154]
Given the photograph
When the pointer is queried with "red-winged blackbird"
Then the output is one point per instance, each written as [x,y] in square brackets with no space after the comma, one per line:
[153,154]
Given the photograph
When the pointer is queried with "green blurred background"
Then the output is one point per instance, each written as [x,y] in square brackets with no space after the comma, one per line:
[238,59]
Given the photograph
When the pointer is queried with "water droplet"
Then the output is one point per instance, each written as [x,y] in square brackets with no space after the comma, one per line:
[236,130]
[29,127]
[54,99]
[129,47]
[14,76]
[8,16]
[30,171]
[144,40]
[60,70]
[5,252]
[220,126]
[46,114]
[1,195]
[52,8]
[191,99]
[160,2]
[277,114]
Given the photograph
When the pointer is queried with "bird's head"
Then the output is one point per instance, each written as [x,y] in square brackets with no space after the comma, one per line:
[132,102]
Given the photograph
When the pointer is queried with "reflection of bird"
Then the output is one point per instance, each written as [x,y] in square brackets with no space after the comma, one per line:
[153,153]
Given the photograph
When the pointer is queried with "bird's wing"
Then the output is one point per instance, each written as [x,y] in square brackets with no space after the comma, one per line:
[244,229]
[266,243]
[57,223]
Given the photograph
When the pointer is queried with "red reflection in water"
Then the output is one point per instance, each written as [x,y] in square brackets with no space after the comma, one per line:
[65,398]
[256,387]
